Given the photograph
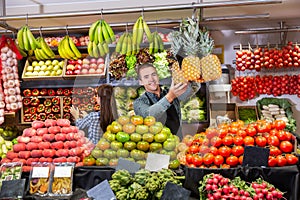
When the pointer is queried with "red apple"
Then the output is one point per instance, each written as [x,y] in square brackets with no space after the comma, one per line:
[85,66]
[77,71]
[100,61]
[79,61]
[70,67]
[93,60]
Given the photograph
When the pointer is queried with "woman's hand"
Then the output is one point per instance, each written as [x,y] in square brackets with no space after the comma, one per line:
[74,112]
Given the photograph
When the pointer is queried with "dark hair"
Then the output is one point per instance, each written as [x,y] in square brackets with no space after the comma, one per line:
[142,66]
[105,93]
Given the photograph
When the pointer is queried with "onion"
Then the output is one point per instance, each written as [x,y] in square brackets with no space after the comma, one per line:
[12,99]
[14,106]
[15,69]
[15,56]
[4,77]
[9,53]
[18,91]
[3,57]
[10,76]
[1,112]
[1,120]
[20,105]
[5,85]
[9,83]
[8,70]
[16,75]
[11,91]
[9,62]
[8,106]
[5,91]
[2,104]
[19,97]
[4,49]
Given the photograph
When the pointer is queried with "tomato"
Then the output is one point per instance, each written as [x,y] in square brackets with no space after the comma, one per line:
[237,150]
[137,154]
[193,149]
[223,132]
[281,134]
[224,151]
[238,140]
[248,141]
[263,127]
[174,164]
[241,159]
[251,130]
[281,160]
[204,149]
[124,119]
[242,133]
[274,151]
[89,161]
[291,159]
[273,131]
[219,160]
[137,120]
[208,158]
[286,146]
[272,161]
[187,139]
[225,166]
[122,137]
[261,141]
[232,161]
[279,124]
[273,140]
[197,160]
[227,140]
[213,150]
[211,132]
[289,136]
[189,158]
[143,145]
[233,129]
[216,141]
[149,120]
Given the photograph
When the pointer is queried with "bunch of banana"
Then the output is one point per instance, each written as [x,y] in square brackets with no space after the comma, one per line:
[26,40]
[157,44]
[43,51]
[125,44]
[139,28]
[67,49]
[101,32]
[97,50]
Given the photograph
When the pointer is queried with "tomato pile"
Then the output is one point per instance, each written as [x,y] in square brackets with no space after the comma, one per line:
[223,147]
[215,186]
[269,58]
[247,87]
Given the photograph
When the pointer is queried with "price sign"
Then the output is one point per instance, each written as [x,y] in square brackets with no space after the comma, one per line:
[156,162]
[40,172]
[63,171]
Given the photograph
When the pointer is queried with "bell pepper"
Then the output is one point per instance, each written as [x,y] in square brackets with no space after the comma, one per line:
[85,100]
[78,91]
[59,91]
[34,101]
[43,92]
[75,101]
[97,107]
[90,91]
[27,118]
[48,102]
[50,116]
[89,107]
[93,100]
[42,116]
[82,107]
[57,116]
[67,116]
[41,108]
[35,92]
[55,109]
[27,93]
[51,92]
[48,110]
[34,117]
[26,101]
[32,110]
[26,110]
[67,92]
[66,109]
[67,101]
[55,101]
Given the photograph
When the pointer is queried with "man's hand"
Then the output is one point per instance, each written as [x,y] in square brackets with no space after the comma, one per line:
[75,112]
[176,90]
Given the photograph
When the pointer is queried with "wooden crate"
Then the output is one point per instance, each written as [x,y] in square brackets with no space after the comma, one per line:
[238,107]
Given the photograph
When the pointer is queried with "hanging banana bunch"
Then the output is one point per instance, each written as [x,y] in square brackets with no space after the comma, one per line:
[100,35]
[125,44]
[43,51]
[157,44]
[139,28]
[26,40]
[67,49]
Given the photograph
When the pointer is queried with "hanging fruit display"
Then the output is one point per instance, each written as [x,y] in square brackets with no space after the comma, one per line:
[139,28]
[67,49]
[43,51]
[26,40]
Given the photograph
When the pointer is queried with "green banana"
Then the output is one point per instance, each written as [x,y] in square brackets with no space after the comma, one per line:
[67,48]
[90,49]
[96,52]
[135,31]
[37,55]
[105,33]
[156,45]
[140,33]
[20,38]
[43,54]
[110,31]
[101,49]
[22,52]
[96,33]
[100,33]
[46,48]
[92,30]
[124,44]
[31,39]
[74,48]
[119,43]
[147,31]
[151,47]
[25,39]
[129,45]
[106,48]
[161,43]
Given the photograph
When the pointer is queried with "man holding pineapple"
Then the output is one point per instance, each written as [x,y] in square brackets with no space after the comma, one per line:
[163,104]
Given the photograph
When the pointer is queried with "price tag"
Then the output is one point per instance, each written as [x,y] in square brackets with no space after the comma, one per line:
[128,165]
[40,172]
[175,192]
[102,191]
[63,171]
[256,156]
[156,162]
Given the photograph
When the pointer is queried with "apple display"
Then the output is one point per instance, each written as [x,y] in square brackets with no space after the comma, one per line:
[86,66]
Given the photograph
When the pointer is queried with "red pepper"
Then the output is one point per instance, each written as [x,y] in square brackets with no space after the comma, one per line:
[67,116]
[90,91]
[27,118]
[97,107]
[34,117]
[89,107]
[55,101]
[42,116]
[51,92]
[32,110]
[57,116]
[27,93]
[93,100]
[72,91]
[26,110]
[82,107]
[67,92]
[59,91]
[78,91]
[41,108]
[48,102]
[48,110]
[26,101]
[35,92]
[66,109]
[43,92]
[75,101]
[55,109]
[34,101]
[50,116]
[67,101]
[85,100]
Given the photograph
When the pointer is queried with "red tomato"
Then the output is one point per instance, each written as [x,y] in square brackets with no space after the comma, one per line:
[273,140]
[216,141]
[272,161]
[227,140]
[286,146]
[211,132]
[208,158]
[289,136]
[281,134]
[189,158]
[213,150]
[224,151]
[281,160]
[232,161]
[193,149]
[279,124]
[274,151]
[238,140]
[225,166]
[261,141]
[219,160]
[197,160]
[263,126]
[248,141]
[241,159]
[237,150]
[251,131]
[223,132]
[273,131]
[242,133]
[291,159]
[203,149]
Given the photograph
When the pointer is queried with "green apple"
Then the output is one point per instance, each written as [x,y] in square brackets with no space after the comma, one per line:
[56,67]
[41,63]
[47,73]
[53,73]
[35,73]
[43,67]
[50,67]
[37,68]
[55,62]
[34,63]
[29,68]
[41,73]
[28,74]
[61,63]
[48,62]
[58,72]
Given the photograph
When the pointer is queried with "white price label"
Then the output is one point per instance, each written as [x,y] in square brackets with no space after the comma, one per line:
[40,172]
[65,171]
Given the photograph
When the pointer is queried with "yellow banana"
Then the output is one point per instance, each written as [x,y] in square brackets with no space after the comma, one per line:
[74,48]
[43,54]
[110,31]
[67,48]
[36,54]
[105,33]
[124,44]
[90,49]
[20,38]
[129,45]
[101,49]
[135,31]
[106,48]
[147,31]
[156,45]
[31,39]
[25,39]
[46,48]
[100,33]
[96,52]
[92,30]
[140,31]
[119,43]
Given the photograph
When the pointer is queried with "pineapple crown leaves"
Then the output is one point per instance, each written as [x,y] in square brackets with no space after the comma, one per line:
[206,43]
[176,42]
[190,36]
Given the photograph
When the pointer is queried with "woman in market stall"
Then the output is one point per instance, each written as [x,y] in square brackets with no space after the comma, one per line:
[96,122]
[163,104]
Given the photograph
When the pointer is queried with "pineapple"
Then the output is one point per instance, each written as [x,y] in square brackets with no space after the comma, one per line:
[210,63]
[177,73]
